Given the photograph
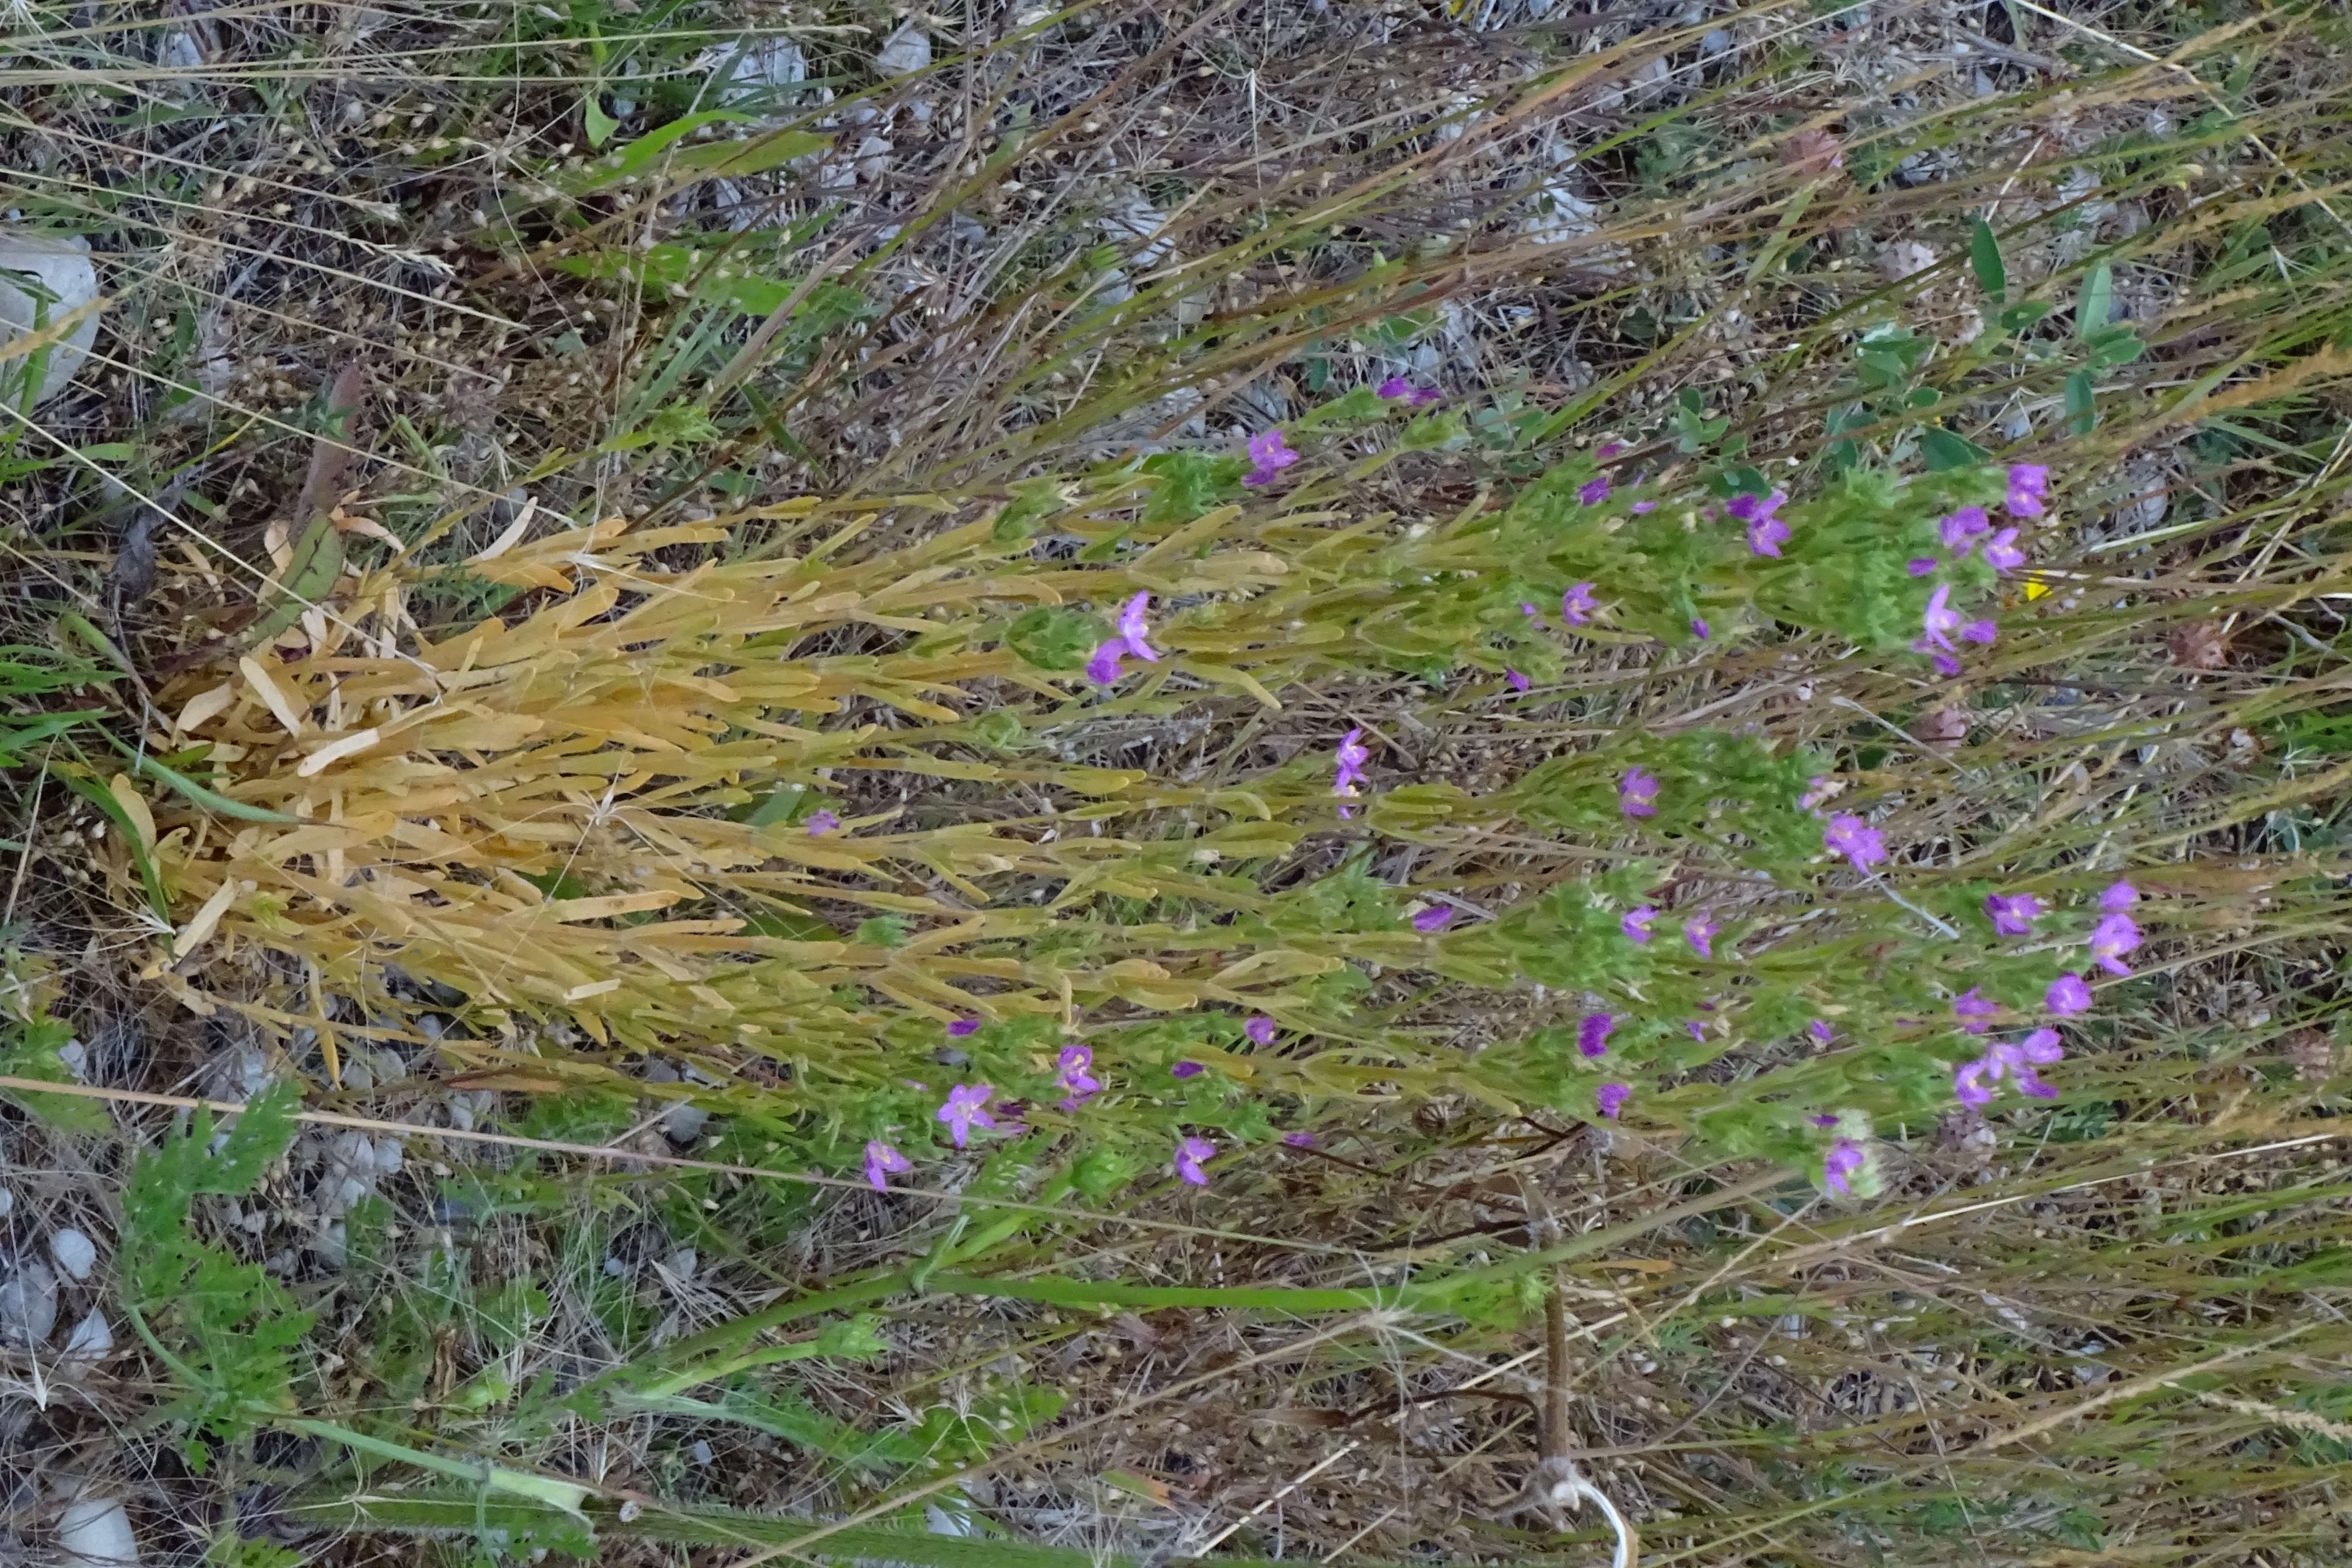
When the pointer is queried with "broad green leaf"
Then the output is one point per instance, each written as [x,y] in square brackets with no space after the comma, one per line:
[1984,256]
[2082,414]
[1944,451]
[2096,301]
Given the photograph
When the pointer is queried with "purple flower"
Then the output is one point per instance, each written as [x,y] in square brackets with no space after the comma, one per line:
[1637,792]
[1696,1030]
[1351,757]
[1611,1099]
[882,1162]
[1825,1120]
[2115,935]
[1414,396]
[1959,531]
[964,1110]
[1645,507]
[1518,682]
[1593,1035]
[1699,629]
[1849,836]
[2118,898]
[1434,918]
[1299,1139]
[1820,1030]
[2028,483]
[1189,1153]
[1920,566]
[1103,668]
[1970,1005]
[1699,932]
[1841,1162]
[1766,532]
[1530,612]
[1592,492]
[1576,605]
[2067,995]
[1946,665]
[1818,788]
[1132,629]
[821,823]
[1261,1030]
[2002,553]
[1271,454]
[1608,449]
[1186,1069]
[963,1027]
[2041,1047]
[1979,632]
[1083,1086]
[1636,923]
[1967,1081]
[2013,914]
[1939,619]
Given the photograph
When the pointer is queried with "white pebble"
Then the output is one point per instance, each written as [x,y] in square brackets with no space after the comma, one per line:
[95,1534]
[92,1340]
[74,1253]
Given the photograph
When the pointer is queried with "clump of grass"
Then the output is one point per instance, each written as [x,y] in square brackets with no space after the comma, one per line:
[713,497]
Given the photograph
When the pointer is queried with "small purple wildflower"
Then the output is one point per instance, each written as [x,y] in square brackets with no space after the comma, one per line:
[1609,450]
[1186,1069]
[964,1110]
[1699,932]
[1611,1099]
[1946,665]
[1961,531]
[2013,914]
[1270,454]
[1351,756]
[1434,918]
[1103,668]
[1083,1085]
[1576,605]
[1920,566]
[1849,836]
[1260,1029]
[1394,386]
[1530,612]
[1593,1035]
[1518,682]
[1839,1164]
[2115,935]
[1189,1153]
[1700,629]
[1299,1139]
[821,823]
[1825,1120]
[1635,923]
[1637,792]
[1592,492]
[1766,532]
[1967,1084]
[1645,507]
[883,1162]
[1820,1030]
[1695,1030]
[2067,995]
[2002,553]
[1133,628]
[1939,620]
[963,1027]
[1979,632]
[2028,483]
[1970,1005]
[1819,788]
[2118,898]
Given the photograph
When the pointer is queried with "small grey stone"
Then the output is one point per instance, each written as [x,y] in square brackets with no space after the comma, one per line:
[28,1302]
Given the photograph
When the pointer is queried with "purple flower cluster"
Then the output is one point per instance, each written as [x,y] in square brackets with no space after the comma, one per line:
[1766,532]
[2028,483]
[2115,935]
[1351,756]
